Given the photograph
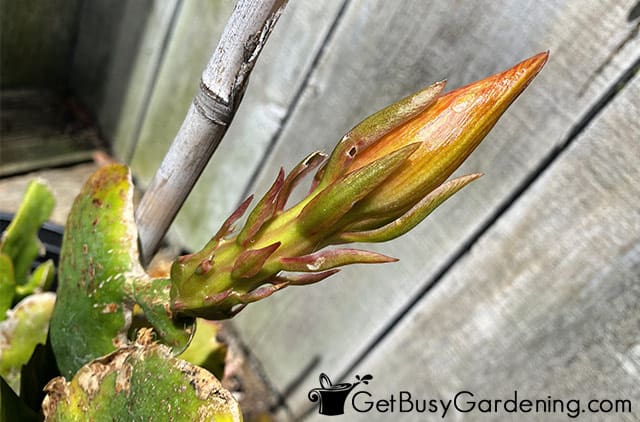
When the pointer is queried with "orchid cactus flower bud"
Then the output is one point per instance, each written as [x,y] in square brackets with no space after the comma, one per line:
[382,179]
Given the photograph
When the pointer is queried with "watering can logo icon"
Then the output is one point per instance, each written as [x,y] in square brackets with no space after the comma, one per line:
[332,397]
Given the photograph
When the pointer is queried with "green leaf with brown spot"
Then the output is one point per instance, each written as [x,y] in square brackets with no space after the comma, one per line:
[100,277]
[98,260]
[140,382]
[26,326]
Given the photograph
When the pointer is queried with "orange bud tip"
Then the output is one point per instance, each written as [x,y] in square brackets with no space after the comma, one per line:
[534,63]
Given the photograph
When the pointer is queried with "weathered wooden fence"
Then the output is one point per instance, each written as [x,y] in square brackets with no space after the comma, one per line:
[529,280]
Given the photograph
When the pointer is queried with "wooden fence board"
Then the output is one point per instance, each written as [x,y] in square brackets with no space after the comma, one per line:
[118,51]
[548,301]
[280,71]
[64,182]
[40,128]
[36,42]
[382,51]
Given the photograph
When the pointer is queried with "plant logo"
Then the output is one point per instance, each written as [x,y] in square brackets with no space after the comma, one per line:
[332,397]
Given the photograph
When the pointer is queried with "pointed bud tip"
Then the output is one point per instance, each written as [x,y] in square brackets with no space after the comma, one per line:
[535,63]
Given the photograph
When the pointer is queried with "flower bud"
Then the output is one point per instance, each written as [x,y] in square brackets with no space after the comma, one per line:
[382,179]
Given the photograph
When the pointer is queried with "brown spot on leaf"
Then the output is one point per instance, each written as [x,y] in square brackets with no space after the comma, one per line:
[109,308]
[97,202]
[119,341]
[167,310]
[123,379]
[90,376]
[57,391]
[145,337]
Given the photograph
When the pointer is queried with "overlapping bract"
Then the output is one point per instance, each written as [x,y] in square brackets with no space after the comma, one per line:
[383,178]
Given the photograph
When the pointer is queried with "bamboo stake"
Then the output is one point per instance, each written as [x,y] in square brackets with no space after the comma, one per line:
[222,86]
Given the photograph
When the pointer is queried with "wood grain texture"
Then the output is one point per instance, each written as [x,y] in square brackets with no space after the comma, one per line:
[119,48]
[548,301]
[194,36]
[40,128]
[122,117]
[280,70]
[380,52]
[36,42]
[65,184]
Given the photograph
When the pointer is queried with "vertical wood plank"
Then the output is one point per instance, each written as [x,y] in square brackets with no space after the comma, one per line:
[123,119]
[120,44]
[36,42]
[64,182]
[41,128]
[382,51]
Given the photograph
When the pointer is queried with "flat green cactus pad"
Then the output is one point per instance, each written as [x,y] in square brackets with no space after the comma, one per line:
[98,258]
[140,382]
[101,279]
